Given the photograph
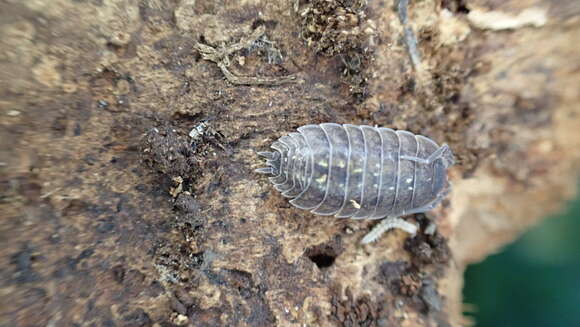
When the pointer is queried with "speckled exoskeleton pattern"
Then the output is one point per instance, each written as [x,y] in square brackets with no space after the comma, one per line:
[360,172]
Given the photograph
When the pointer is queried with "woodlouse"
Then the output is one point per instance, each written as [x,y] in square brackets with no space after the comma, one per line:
[360,172]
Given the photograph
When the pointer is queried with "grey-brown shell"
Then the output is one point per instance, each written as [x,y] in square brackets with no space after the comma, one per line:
[359,171]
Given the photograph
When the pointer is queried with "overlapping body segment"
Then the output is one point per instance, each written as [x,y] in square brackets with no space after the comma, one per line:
[359,171]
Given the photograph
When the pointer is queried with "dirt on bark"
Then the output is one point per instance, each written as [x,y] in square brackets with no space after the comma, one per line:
[128,144]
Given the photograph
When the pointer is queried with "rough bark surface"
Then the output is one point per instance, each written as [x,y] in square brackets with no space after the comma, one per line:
[113,214]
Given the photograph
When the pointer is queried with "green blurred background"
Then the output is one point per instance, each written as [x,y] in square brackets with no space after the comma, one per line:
[534,281]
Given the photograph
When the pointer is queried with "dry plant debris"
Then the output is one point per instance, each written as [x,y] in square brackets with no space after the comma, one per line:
[221,57]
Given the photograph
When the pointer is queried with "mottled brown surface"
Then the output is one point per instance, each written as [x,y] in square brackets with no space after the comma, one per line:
[112,215]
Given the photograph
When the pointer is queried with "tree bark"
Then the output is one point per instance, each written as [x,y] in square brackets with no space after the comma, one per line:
[128,145]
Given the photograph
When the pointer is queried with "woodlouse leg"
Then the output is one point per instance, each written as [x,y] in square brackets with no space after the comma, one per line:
[431,228]
[428,207]
[388,224]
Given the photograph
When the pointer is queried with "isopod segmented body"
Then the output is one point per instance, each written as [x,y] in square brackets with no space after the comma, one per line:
[359,171]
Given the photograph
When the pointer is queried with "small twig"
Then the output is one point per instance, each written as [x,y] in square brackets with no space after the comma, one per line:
[409,36]
[221,57]
[254,80]
[246,42]
[49,193]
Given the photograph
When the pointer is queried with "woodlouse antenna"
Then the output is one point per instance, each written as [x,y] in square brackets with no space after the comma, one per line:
[268,155]
[264,170]
[272,160]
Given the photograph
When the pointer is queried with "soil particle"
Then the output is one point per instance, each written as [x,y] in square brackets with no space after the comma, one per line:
[430,296]
[332,27]
[428,249]
[168,151]
[177,306]
[360,312]
[186,203]
[137,318]
[23,265]
[341,29]
[414,282]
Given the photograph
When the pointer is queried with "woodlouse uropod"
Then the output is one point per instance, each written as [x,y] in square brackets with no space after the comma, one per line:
[361,172]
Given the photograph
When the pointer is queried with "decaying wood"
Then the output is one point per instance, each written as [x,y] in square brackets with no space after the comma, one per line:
[112,214]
